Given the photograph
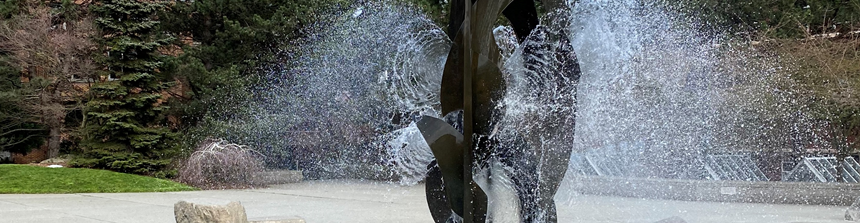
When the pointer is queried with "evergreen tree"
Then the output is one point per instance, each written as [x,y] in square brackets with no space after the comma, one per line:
[50,60]
[233,40]
[233,43]
[9,8]
[125,128]
[19,130]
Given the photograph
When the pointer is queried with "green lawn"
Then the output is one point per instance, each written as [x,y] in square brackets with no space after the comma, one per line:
[25,179]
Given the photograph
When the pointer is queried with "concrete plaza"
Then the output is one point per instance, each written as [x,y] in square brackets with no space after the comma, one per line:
[375,202]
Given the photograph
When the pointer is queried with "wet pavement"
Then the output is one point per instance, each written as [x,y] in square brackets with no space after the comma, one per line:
[364,201]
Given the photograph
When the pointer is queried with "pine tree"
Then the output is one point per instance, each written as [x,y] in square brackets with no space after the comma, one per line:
[235,43]
[125,128]
[233,40]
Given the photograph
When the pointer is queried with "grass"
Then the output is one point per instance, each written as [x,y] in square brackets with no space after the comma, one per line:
[25,179]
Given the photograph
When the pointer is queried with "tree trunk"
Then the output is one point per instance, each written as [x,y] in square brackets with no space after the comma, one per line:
[53,142]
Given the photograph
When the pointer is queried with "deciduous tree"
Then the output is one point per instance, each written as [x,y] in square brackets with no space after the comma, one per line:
[51,51]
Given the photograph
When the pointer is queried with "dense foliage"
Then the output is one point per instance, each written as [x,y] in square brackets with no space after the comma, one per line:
[126,129]
[12,138]
[779,19]
[42,49]
[227,46]
[828,73]
[19,131]
[225,42]
[11,7]
[51,48]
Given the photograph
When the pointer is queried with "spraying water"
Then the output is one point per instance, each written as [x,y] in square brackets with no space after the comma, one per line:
[660,93]
[359,81]
[656,92]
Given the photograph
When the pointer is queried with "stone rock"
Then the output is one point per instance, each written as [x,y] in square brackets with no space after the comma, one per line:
[5,157]
[55,161]
[209,211]
[853,212]
[674,219]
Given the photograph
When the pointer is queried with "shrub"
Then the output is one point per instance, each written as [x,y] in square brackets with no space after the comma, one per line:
[218,164]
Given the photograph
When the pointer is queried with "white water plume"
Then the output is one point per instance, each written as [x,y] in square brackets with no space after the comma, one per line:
[657,87]
[653,85]
[359,78]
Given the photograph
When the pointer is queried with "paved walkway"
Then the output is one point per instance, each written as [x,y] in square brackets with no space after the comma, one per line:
[371,202]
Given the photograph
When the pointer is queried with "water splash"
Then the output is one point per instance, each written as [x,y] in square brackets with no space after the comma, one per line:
[654,87]
[410,154]
[358,79]
[658,88]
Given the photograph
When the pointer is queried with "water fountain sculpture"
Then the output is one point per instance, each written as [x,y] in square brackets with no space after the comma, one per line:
[474,85]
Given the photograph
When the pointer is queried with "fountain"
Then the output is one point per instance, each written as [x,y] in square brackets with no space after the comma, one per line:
[652,88]
[472,91]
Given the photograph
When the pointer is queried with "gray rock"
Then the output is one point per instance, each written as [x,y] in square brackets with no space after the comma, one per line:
[853,212]
[55,161]
[5,156]
[674,219]
[209,211]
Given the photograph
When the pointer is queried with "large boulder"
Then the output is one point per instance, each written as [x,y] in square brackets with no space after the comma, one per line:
[209,211]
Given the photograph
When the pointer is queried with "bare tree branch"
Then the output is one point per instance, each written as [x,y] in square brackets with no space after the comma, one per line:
[18,130]
[50,52]
[16,143]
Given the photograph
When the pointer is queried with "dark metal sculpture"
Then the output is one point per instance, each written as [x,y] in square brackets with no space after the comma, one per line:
[472,87]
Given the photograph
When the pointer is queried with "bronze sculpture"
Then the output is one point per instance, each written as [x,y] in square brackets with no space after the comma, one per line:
[473,85]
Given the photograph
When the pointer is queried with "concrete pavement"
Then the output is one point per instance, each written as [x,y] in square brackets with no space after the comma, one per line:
[362,201]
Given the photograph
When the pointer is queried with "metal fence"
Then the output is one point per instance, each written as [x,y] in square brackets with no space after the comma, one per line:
[737,167]
[733,167]
[824,169]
